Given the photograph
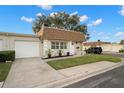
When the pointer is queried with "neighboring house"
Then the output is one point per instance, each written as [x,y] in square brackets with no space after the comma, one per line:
[54,39]
[106,46]
[25,45]
[113,47]
[122,42]
[87,45]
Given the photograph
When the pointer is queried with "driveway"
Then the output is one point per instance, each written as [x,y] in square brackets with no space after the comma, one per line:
[30,72]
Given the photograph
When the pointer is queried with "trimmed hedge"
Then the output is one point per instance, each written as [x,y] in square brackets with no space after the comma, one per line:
[8,55]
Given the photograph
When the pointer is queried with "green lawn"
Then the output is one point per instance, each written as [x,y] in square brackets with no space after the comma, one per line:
[70,62]
[4,70]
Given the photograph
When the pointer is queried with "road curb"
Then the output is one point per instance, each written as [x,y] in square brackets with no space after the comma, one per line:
[76,78]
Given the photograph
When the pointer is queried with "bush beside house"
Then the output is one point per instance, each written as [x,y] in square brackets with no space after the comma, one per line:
[7,55]
[121,51]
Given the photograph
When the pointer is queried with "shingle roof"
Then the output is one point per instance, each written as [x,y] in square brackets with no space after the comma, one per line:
[122,42]
[60,34]
[94,43]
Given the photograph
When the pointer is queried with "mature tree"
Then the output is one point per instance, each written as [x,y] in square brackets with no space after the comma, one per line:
[60,20]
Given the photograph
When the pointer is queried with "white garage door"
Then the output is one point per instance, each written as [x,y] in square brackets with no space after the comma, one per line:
[26,49]
[1,45]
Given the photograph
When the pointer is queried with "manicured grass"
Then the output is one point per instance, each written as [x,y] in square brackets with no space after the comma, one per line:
[4,70]
[70,62]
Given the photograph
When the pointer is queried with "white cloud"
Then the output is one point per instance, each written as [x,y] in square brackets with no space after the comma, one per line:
[52,14]
[100,34]
[95,23]
[93,32]
[83,18]
[74,13]
[121,12]
[39,14]
[106,37]
[119,34]
[45,7]
[26,19]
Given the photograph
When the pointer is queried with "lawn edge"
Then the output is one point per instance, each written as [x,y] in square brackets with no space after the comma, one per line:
[48,62]
[67,81]
[7,75]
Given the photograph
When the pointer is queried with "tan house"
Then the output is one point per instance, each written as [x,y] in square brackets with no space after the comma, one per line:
[53,39]
[106,46]
[87,45]
[59,39]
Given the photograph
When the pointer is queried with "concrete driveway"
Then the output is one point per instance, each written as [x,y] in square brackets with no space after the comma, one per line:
[30,72]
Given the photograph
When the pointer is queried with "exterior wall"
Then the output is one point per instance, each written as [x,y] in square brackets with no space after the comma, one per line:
[111,47]
[85,47]
[1,44]
[78,48]
[71,47]
[74,48]
[46,46]
[54,52]
[9,41]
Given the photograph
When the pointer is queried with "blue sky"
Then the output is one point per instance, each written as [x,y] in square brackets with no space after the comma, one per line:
[104,22]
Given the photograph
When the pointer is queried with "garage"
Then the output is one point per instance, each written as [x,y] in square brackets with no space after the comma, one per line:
[1,45]
[26,49]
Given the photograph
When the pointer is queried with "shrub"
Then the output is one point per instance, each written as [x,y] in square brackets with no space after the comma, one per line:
[121,51]
[7,56]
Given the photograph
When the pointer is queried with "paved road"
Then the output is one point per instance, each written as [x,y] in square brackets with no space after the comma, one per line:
[116,54]
[110,79]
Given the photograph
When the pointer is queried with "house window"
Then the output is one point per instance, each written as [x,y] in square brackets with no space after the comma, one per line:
[58,45]
[63,45]
[53,45]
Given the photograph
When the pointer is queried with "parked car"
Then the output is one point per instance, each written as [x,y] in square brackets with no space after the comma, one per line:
[94,50]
